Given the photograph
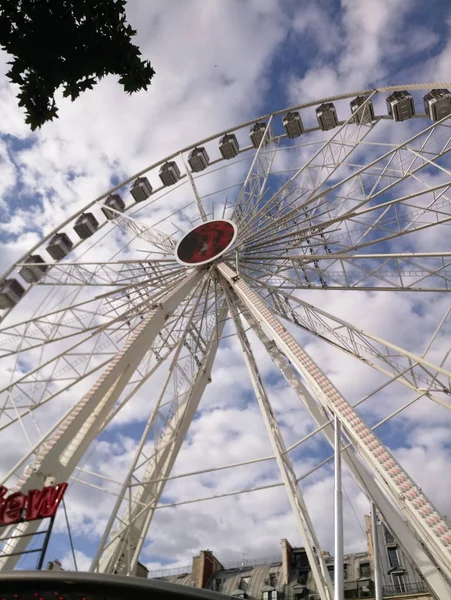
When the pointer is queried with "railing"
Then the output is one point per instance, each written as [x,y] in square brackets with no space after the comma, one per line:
[169,571]
[234,564]
[252,562]
[418,587]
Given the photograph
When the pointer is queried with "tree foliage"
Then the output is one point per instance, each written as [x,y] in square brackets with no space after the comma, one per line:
[68,43]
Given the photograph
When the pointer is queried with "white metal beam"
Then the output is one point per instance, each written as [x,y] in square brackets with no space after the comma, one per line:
[61,449]
[390,476]
[118,550]
[392,517]
[295,496]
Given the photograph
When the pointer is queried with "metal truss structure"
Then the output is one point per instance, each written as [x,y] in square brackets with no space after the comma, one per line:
[362,207]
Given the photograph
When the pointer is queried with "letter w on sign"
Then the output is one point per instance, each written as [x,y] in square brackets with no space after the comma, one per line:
[43,503]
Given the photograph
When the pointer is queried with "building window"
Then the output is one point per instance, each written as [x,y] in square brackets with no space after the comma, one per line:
[393,556]
[389,539]
[330,568]
[398,583]
[244,583]
[273,579]
[345,570]
[218,585]
[301,561]
[364,569]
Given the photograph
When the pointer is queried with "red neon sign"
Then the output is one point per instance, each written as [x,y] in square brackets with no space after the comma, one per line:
[37,504]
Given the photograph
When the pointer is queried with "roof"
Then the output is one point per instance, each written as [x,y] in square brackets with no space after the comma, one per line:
[258,577]
[182,579]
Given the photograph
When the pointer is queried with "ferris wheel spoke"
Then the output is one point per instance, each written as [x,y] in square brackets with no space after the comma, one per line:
[61,449]
[255,170]
[159,351]
[310,177]
[200,206]
[432,147]
[152,235]
[116,307]
[295,496]
[42,389]
[385,227]
[407,368]
[57,374]
[395,482]
[421,272]
[253,190]
[65,370]
[397,217]
[110,273]
[136,503]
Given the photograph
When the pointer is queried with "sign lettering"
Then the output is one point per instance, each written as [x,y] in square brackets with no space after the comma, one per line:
[37,504]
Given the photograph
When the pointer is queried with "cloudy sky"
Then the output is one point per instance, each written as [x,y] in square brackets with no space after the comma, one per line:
[219,63]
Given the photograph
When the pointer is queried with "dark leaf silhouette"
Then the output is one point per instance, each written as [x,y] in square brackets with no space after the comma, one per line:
[68,44]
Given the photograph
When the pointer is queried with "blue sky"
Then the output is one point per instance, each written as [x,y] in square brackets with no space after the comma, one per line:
[219,64]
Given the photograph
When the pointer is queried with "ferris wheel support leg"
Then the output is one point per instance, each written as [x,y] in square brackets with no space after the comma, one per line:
[120,553]
[184,422]
[435,570]
[300,510]
[62,449]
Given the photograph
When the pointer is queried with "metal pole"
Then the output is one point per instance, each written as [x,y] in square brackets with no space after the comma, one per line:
[46,543]
[377,566]
[70,537]
[338,561]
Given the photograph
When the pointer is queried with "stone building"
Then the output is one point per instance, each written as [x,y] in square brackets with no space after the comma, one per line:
[289,576]
[399,576]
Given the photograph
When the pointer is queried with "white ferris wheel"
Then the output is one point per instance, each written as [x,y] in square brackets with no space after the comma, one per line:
[135,292]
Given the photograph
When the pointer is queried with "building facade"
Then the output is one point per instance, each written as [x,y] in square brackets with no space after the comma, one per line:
[290,578]
[399,576]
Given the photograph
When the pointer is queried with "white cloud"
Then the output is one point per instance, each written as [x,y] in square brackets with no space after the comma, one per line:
[212,62]
[83,561]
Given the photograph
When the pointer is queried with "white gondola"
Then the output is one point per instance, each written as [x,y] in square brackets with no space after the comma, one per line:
[437,104]
[113,201]
[11,291]
[141,189]
[228,146]
[86,225]
[169,173]
[362,113]
[293,124]
[327,116]
[400,106]
[34,272]
[60,246]
[257,134]
[198,159]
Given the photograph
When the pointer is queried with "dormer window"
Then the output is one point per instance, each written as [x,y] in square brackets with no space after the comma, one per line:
[269,593]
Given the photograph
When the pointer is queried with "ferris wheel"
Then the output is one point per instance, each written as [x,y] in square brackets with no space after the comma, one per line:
[132,296]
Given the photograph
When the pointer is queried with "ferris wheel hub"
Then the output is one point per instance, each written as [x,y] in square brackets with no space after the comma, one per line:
[205,243]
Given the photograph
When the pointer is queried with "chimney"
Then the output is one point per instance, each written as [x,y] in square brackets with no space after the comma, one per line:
[287,560]
[141,570]
[54,565]
[204,566]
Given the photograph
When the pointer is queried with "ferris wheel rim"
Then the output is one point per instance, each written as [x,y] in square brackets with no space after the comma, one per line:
[155,165]
[231,278]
